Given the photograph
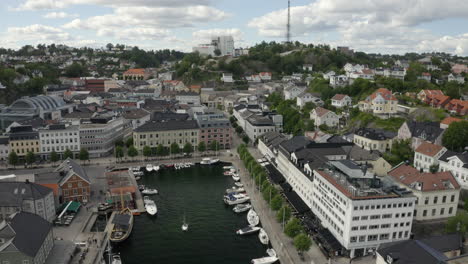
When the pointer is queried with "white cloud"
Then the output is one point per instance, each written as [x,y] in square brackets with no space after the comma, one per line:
[136,33]
[58,4]
[54,15]
[376,25]
[38,33]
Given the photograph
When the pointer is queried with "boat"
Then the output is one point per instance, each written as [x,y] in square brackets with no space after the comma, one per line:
[138,173]
[123,225]
[149,191]
[116,259]
[242,207]
[141,187]
[236,177]
[227,173]
[263,236]
[239,184]
[271,252]
[235,190]
[156,168]
[236,198]
[208,161]
[252,217]
[264,260]
[150,206]
[228,167]
[248,230]
[137,178]
[135,168]
[184,225]
[149,167]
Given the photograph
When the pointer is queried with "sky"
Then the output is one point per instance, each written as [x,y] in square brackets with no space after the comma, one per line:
[380,26]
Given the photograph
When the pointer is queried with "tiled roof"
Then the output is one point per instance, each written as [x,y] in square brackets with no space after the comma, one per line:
[31,232]
[425,181]
[339,97]
[320,111]
[385,93]
[449,120]
[429,149]
[135,71]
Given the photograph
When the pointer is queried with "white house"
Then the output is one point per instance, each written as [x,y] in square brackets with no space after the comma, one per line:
[188,98]
[457,164]
[367,74]
[350,68]
[304,98]
[456,78]
[338,81]
[437,193]
[425,76]
[341,100]
[395,72]
[227,77]
[59,138]
[427,155]
[322,116]
[307,67]
[329,74]
[265,76]
[291,91]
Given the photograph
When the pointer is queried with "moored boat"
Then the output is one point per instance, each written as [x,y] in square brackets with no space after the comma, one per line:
[123,225]
[116,259]
[149,191]
[149,167]
[150,206]
[263,236]
[227,173]
[242,207]
[239,184]
[264,260]
[208,161]
[248,230]
[235,190]
[141,187]
[155,168]
[252,218]
[236,198]
[228,167]
[236,177]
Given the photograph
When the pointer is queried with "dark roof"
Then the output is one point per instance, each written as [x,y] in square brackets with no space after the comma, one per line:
[4,140]
[359,154]
[336,139]
[12,193]
[260,121]
[185,93]
[135,114]
[31,231]
[167,125]
[34,122]
[274,175]
[462,156]
[295,143]
[444,243]
[166,116]
[79,114]
[299,205]
[70,167]
[429,131]
[375,134]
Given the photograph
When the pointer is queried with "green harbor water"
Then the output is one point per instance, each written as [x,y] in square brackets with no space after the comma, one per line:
[211,238]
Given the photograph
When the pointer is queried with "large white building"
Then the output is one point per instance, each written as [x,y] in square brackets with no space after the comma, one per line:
[437,193]
[225,44]
[59,138]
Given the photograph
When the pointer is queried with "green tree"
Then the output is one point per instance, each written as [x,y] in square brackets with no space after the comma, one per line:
[133,152]
[214,145]
[147,151]
[75,70]
[284,211]
[188,148]
[119,143]
[458,223]
[401,151]
[202,146]
[455,137]
[119,152]
[239,130]
[13,159]
[54,156]
[175,149]
[67,154]
[84,154]
[160,150]
[30,158]
[276,202]
[246,139]
[293,228]
[302,242]
[217,52]
[129,142]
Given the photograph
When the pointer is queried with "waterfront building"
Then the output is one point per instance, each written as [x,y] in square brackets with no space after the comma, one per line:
[23,139]
[59,138]
[166,132]
[437,193]
[214,126]
[26,197]
[25,238]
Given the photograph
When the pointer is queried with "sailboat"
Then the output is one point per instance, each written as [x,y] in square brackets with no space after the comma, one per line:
[184,225]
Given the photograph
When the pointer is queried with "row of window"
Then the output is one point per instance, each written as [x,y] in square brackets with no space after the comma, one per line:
[384,216]
[58,134]
[60,148]
[335,194]
[383,206]
[435,199]
[23,151]
[434,212]
[143,136]
[382,226]
[33,143]
[327,218]
[62,141]
[385,236]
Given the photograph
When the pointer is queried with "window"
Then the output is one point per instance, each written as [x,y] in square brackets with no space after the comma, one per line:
[375,217]
[444,199]
[353,239]
[372,238]
[425,213]
[435,199]
[373,226]
[433,212]
[362,238]
[354,228]
[363,228]
[385,226]
[364,217]
[384,236]
[426,201]
[356,218]
[442,211]
[450,210]
[452,198]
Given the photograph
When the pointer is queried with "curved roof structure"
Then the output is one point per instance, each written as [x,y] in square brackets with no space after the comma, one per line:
[43,102]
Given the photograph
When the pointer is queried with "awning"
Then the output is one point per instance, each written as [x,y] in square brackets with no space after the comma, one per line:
[73,207]
[274,175]
[286,187]
[297,202]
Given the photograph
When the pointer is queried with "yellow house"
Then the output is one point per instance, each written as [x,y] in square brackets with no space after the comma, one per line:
[381,102]
[23,140]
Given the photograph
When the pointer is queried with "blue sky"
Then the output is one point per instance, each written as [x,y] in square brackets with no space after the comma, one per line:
[385,26]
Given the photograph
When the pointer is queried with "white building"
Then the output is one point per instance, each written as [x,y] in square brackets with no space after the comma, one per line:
[395,72]
[304,98]
[188,98]
[59,138]
[338,81]
[227,77]
[427,155]
[457,164]
[341,100]
[225,44]
[437,193]
[456,78]
[350,68]
[322,116]
[291,91]
[205,49]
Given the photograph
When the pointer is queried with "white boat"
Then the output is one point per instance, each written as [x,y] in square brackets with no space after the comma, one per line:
[236,177]
[137,178]
[235,190]
[208,161]
[155,168]
[264,260]
[135,168]
[116,259]
[237,198]
[263,236]
[184,225]
[228,167]
[239,184]
[138,173]
[271,252]
[248,230]
[149,167]
[150,206]
[146,199]
[252,218]
[242,208]
[149,191]
[141,187]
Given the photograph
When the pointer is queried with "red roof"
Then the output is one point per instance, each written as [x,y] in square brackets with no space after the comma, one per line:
[320,111]
[427,181]
[265,74]
[432,93]
[429,149]
[449,120]
[339,97]
[135,71]
[385,93]
[425,74]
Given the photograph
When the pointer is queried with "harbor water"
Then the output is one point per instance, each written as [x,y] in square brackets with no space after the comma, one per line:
[196,192]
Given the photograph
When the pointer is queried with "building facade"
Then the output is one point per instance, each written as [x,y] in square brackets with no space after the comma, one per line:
[59,138]
[427,155]
[23,139]
[457,164]
[374,139]
[214,126]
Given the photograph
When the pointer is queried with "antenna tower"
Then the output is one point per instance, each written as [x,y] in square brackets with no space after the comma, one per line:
[288,26]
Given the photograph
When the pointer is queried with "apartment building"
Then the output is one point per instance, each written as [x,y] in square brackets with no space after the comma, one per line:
[374,139]
[23,139]
[59,138]
[427,155]
[437,193]
[214,126]
[165,133]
